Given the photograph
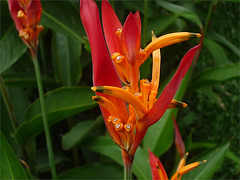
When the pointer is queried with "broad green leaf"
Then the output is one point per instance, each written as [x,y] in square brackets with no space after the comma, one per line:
[106,146]
[25,79]
[60,103]
[217,51]
[215,75]
[11,48]
[181,11]
[214,159]
[63,16]
[42,161]
[66,55]
[159,24]
[94,171]
[10,166]
[229,154]
[138,5]
[159,136]
[80,132]
[221,39]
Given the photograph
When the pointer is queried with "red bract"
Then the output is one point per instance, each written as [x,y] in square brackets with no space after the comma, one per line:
[26,15]
[159,173]
[128,111]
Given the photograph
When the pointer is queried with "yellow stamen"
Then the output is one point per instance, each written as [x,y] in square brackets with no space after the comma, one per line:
[155,73]
[122,94]
[168,39]
[108,105]
[118,126]
[20,14]
[186,169]
[121,63]
[119,32]
[152,97]
[183,161]
[145,86]
[177,104]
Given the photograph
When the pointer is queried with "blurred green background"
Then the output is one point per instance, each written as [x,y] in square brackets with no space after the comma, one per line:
[209,125]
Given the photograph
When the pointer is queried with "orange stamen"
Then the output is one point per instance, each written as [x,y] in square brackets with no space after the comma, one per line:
[145,86]
[167,40]
[108,105]
[121,63]
[183,161]
[122,94]
[177,104]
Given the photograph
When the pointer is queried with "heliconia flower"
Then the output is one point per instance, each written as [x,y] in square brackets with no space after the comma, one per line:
[159,173]
[128,111]
[178,139]
[26,15]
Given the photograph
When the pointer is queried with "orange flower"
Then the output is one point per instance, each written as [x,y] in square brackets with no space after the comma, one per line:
[159,173]
[26,15]
[128,111]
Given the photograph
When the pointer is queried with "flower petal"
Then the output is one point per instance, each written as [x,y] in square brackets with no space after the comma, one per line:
[159,108]
[138,19]
[178,140]
[111,24]
[34,13]
[158,171]
[103,70]
[14,7]
[131,38]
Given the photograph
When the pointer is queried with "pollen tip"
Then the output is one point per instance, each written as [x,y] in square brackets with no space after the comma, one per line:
[197,35]
[185,105]
[96,98]
[94,88]
[204,161]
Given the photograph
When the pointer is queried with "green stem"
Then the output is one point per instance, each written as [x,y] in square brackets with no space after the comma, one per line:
[8,104]
[213,3]
[127,172]
[44,115]
[127,161]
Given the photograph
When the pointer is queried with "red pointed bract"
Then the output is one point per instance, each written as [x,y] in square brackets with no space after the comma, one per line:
[104,73]
[155,163]
[111,24]
[159,108]
[131,38]
[178,139]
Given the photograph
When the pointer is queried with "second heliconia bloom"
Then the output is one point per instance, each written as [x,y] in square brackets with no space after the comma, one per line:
[26,15]
[129,110]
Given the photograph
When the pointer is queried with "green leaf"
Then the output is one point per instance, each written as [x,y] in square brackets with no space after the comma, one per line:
[217,51]
[66,55]
[159,136]
[11,48]
[63,16]
[181,11]
[106,146]
[10,166]
[94,171]
[214,159]
[159,24]
[215,75]
[219,38]
[80,132]
[42,161]
[25,79]
[60,103]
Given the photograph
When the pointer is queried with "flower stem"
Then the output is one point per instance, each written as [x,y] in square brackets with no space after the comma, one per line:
[44,115]
[8,104]
[127,161]
[127,172]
